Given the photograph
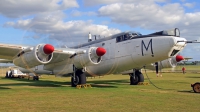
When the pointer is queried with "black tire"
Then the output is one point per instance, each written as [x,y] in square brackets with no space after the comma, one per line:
[80,78]
[36,78]
[138,78]
[196,87]
[75,82]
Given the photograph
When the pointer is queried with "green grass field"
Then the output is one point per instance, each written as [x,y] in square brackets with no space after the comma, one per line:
[189,68]
[109,93]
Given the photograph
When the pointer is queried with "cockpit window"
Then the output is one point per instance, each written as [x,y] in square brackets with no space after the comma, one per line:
[172,32]
[133,35]
[122,38]
[177,32]
[127,36]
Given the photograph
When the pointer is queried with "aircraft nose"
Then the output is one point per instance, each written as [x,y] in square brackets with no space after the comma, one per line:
[178,45]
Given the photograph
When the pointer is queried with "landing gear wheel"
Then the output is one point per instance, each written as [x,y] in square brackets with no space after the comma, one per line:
[78,79]
[82,78]
[136,78]
[196,87]
[35,77]
[74,81]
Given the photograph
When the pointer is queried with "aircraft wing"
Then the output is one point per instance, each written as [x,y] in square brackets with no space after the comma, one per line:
[61,54]
[9,52]
[187,58]
[42,54]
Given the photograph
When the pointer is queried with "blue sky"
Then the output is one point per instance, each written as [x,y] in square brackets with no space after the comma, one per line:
[67,22]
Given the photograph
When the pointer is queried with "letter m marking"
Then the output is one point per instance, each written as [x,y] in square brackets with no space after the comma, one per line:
[143,46]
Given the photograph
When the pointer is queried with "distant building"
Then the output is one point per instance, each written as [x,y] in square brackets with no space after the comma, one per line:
[189,63]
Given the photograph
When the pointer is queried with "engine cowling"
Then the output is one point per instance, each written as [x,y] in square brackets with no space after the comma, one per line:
[93,56]
[171,62]
[168,63]
[33,56]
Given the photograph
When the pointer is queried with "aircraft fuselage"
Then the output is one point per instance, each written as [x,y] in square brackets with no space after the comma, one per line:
[124,53]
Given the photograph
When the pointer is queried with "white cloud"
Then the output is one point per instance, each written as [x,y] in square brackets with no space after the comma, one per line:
[189,5]
[140,15]
[102,2]
[63,31]
[20,8]
[76,13]
[153,17]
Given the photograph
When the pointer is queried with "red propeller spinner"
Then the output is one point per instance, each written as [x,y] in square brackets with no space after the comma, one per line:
[100,51]
[48,49]
[179,58]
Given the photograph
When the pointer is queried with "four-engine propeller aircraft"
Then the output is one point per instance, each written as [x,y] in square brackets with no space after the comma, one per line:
[114,54]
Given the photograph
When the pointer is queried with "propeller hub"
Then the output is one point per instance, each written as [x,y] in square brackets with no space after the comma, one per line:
[100,51]
[48,49]
[179,58]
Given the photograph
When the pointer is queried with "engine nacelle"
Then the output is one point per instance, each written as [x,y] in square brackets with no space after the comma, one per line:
[168,63]
[33,56]
[93,56]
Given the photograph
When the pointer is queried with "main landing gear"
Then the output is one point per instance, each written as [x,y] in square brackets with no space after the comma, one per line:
[78,77]
[136,77]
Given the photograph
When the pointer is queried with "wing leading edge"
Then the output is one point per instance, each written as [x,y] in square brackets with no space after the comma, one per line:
[8,52]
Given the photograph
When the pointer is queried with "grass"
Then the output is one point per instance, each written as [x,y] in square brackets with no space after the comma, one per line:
[189,68]
[109,93]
